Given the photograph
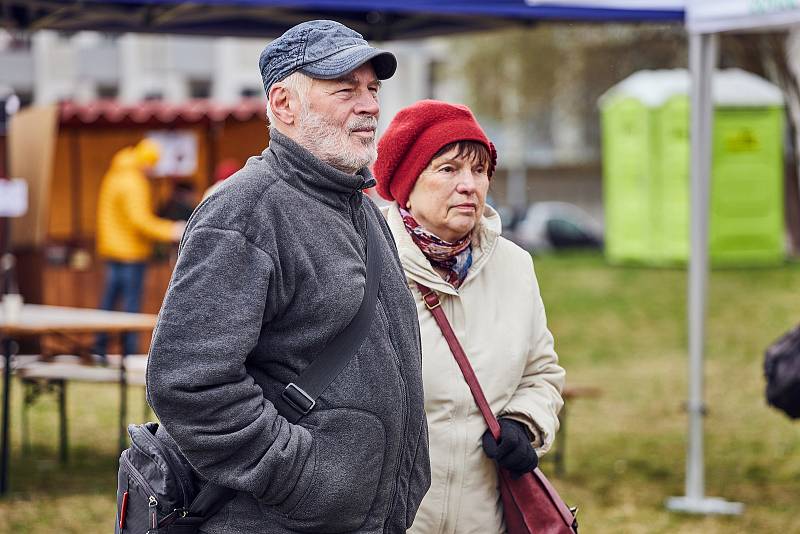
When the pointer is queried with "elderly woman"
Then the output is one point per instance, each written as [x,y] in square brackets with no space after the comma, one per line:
[435,163]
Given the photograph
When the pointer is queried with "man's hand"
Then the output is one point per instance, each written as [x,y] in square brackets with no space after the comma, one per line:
[514,450]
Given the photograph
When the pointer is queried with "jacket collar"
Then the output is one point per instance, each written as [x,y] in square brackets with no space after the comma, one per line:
[309,174]
[417,266]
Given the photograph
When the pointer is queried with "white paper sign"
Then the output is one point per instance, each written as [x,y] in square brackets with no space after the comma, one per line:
[178,152]
[13,197]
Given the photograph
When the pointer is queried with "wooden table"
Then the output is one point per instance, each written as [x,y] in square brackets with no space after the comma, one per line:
[37,321]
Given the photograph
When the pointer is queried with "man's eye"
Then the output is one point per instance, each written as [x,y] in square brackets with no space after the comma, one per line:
[447,168]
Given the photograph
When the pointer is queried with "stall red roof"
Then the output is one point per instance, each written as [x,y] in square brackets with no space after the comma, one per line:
[158,112]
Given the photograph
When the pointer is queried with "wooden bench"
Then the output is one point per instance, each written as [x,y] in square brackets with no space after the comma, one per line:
[570,393]
[41,377]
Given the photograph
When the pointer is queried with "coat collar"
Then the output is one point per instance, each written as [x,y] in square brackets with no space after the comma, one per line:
[309,174]
[417,266]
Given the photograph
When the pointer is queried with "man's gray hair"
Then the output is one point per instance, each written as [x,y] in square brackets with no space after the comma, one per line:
[297,83]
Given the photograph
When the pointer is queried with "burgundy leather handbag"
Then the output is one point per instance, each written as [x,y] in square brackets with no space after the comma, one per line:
[531,504]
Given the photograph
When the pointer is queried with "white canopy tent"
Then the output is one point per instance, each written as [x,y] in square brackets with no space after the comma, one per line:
[704,20]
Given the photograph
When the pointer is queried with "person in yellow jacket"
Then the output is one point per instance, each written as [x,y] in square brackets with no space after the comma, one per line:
[127,229]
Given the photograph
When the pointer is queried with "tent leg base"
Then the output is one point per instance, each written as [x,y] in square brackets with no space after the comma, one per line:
[704,506]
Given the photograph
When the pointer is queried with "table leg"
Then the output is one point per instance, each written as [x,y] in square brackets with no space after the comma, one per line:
[562,444]
[29,389]
[123,395]
[4,465]
[62,420]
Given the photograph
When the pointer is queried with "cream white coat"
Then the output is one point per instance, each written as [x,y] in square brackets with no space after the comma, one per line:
[499,318]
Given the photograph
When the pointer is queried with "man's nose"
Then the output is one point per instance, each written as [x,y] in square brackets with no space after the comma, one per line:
[367,104]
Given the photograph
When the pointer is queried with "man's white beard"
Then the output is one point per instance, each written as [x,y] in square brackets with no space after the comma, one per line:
[332,143]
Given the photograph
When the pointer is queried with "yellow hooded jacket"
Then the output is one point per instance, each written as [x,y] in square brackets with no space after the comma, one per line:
[126,225]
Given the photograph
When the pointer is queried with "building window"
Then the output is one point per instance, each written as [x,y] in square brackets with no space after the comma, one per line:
[199,88]
[16,40]
[107,92]
[251,92]
[25,98]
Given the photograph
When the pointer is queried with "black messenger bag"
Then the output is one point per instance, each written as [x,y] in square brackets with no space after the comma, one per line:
[158,492]
[782,371]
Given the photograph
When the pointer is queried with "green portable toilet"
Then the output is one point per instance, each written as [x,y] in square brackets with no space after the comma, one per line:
[646,151]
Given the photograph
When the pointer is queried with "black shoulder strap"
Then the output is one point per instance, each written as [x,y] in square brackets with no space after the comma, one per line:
[300,396]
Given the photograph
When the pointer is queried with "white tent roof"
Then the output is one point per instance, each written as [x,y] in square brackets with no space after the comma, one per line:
[710,16]
[650,5]
[731,88]
[702,16]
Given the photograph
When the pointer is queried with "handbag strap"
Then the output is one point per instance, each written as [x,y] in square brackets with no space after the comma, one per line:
[433,304]
[300,396]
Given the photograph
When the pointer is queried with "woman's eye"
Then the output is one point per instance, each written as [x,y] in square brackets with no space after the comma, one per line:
[447,168]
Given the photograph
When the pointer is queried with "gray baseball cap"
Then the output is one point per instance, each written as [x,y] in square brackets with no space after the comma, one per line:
[322,49]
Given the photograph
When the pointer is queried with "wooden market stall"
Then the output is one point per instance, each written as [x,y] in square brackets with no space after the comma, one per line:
[64,150]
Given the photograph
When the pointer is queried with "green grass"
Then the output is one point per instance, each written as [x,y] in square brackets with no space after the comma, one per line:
[621,329]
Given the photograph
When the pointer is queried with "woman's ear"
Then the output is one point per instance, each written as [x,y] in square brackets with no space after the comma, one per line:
[280,103]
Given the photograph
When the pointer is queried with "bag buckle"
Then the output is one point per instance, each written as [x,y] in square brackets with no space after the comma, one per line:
[298,399]
[433,302]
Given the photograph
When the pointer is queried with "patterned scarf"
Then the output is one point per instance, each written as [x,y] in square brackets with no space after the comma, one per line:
[452,260]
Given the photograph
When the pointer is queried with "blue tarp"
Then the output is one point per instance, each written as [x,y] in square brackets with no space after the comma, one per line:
[492,8]
[388,19]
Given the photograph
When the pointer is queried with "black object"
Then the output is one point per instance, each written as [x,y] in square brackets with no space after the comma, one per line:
[782,371]
[158,491]
[514,450]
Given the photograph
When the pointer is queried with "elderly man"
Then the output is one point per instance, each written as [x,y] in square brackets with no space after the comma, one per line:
[271,268]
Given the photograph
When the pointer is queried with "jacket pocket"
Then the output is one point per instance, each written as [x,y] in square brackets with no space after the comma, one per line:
[420,479]
[349,446]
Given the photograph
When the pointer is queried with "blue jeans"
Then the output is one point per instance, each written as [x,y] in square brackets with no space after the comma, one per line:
[125,281]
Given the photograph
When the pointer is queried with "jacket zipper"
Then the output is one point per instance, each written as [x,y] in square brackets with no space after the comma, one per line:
[171,465]
[131,469]
[401,449]
[354,219]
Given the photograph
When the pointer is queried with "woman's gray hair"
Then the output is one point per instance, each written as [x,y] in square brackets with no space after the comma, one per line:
[297,83]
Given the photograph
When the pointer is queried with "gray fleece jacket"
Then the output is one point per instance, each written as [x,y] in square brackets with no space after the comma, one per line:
[271,268]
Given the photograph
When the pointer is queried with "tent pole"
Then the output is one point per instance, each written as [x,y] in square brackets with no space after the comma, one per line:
[698,259]
[702,62]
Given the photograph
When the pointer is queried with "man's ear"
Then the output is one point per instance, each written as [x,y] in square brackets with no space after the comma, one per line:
[280,102]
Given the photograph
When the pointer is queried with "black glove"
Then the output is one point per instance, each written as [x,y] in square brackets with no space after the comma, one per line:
[514,450]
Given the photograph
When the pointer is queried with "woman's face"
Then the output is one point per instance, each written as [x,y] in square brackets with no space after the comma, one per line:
[449,195]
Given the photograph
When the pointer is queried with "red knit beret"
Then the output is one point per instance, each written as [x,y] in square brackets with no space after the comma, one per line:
[414,136]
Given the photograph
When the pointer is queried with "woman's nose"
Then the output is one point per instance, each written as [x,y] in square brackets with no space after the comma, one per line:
[466,182]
